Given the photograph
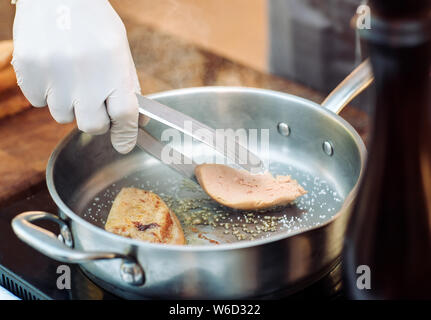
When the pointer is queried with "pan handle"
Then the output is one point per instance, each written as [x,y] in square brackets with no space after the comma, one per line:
[350,87]
[59,248]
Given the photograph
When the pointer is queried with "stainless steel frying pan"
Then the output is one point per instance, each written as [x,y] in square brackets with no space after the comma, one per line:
[230,254]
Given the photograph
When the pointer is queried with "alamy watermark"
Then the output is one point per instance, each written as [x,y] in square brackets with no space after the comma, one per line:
[235,143]
[363,17]
[64,278]
[64,20]
[363,282]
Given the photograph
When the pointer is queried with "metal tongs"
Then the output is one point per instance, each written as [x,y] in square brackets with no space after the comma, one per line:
[175,119]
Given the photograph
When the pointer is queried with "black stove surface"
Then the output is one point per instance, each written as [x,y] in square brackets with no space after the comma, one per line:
[31,275]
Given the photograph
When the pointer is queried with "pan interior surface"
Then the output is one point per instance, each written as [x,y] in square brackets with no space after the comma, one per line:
[88,173]
[203,220]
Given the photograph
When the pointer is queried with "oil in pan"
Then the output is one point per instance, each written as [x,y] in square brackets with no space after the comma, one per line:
[205,222]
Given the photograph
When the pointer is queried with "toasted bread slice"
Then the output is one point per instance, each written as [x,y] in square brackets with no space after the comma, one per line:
[143,215]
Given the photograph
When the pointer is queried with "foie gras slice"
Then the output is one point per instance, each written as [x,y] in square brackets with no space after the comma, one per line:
[239,189]
[143,215]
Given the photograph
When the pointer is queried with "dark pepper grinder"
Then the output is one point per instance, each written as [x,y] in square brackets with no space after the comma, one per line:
[387,252]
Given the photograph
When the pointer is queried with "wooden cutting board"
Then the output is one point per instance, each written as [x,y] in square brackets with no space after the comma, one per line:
[26,141]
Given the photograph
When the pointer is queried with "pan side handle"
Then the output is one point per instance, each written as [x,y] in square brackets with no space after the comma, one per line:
[59,248]
[349,88]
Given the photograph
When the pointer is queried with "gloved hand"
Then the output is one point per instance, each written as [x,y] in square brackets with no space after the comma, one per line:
[73,55]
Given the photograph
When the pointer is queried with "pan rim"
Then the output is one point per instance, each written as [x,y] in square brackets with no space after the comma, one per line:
[225,246]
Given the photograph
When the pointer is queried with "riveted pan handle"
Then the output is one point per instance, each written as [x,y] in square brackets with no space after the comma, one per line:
[50,245]
[349,88]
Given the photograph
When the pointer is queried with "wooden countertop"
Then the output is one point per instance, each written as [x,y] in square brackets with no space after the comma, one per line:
[163,62]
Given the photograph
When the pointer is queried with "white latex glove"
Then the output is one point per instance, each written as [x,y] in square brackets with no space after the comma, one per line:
[73,55]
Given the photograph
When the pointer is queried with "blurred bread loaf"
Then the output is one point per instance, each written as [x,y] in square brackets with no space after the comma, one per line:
[12,100]
[6,50]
